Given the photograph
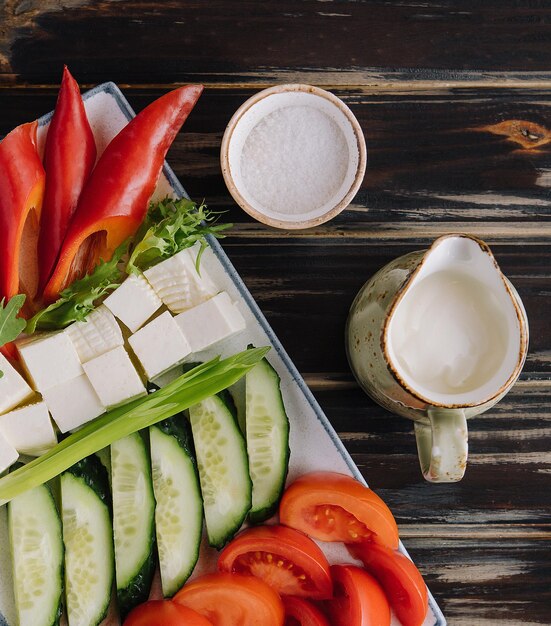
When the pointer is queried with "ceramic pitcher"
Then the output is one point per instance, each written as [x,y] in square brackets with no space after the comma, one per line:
[472,351]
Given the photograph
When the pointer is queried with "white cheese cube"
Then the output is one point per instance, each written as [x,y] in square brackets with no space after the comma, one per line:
[99,333]
[8,454]
[29,429]
[159,345]
[13,387]
[49,360]
[210,322]
[178,283]
[114,378]
[73,403]
[134,302]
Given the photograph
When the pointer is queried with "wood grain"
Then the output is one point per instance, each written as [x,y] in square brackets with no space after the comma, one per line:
[454,100]
[273,41]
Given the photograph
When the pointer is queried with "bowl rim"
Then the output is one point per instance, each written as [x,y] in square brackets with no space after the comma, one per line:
[259,215]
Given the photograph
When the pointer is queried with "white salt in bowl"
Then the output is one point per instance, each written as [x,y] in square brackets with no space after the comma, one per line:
[293,156]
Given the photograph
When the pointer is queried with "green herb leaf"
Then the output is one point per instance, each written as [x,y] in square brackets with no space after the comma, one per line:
[79,299]
[192,387]
[171,226]
[11,326]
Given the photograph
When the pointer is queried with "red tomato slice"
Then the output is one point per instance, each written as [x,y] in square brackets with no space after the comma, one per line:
[164,613]
[401,580]
[358,599]
[287,560]
[233,600]
[300,612]
[335,507]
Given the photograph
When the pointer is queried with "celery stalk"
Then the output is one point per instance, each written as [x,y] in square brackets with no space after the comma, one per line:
[192,387]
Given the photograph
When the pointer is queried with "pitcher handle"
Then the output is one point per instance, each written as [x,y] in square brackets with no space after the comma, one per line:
[442,445]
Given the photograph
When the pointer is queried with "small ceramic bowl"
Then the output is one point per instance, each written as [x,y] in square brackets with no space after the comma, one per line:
[316,105]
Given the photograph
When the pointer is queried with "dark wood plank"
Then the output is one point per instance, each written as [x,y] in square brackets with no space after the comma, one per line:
[143,41]
[487,582]
[509,448]
[463,170]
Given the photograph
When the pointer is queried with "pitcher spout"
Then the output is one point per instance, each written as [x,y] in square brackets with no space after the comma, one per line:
[456,333]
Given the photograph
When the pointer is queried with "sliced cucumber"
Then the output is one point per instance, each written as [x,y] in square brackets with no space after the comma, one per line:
[133,521]
[88,538]
[37,556]
[238,394]
[267,427]
[223,469]
[179,512]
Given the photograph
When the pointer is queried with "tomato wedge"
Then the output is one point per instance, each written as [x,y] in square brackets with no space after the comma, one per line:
[233,600]
[164,613]
[287,560]
[335,507]
[300,612]
[358,599]
[401,580]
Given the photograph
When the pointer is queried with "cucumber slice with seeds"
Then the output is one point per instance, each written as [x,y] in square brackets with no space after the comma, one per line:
[88,538]
[223,469]
[37,554]
[179,512]
[133,521]
[267,428]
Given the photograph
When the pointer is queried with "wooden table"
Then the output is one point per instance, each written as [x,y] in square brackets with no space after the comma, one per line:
[455,102]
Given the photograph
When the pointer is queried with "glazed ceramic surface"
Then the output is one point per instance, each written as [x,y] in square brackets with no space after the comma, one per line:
[440,421]
[313,442]
[258,107]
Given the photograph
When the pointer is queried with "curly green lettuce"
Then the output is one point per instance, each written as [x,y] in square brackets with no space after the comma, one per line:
[169,227]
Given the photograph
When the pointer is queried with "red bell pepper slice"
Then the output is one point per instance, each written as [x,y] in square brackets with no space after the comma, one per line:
[114,201]
[69,156]
[22,180]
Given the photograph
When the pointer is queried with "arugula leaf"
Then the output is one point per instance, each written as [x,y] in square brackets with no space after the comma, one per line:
[77,300]
[169,227]
[11,326]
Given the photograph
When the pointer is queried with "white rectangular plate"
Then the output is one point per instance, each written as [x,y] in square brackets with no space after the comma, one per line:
[314,443]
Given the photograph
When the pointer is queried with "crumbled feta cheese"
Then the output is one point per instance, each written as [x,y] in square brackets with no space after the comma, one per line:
[13,387]
[29,429]
[73,403]
[159,345]
[114,378]
[49,360]
[210,322]
[99,333]
[178,283]
[134,302]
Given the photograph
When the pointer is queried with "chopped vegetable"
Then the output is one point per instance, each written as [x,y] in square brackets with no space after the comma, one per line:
[37,556]
[22,183]
[192,387]
[11,326]
[133,521]
[401,581]
[286,559]
[329,506]
[88,539]
[69,156]
[358,599]
[169,227]
[223,468]
[114,201]
[80,298]
[267,432]
[230,599]
[179,510]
